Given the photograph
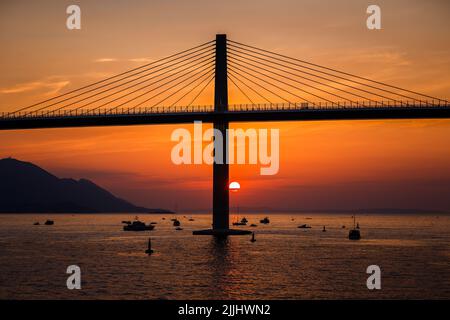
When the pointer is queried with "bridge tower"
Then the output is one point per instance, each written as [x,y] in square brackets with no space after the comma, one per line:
[221,206]
[221,170]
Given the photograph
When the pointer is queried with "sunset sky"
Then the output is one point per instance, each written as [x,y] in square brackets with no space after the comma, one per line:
[323,165]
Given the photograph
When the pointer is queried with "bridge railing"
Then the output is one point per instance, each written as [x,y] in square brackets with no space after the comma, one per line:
[336,105]
[107,112]
[143,111]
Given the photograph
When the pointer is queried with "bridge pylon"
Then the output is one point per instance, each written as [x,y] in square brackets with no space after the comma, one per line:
[221,206]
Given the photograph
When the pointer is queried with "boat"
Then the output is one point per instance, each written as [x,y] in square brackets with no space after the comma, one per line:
[178,228]
[265,220]
[138,226]
[126,221]
[153,222]
[324,230]
[354,233]
[176,222]
[191,219]
[253,237]
[243,222]
[49,223]
[253,225]
[304,226]
[36,223]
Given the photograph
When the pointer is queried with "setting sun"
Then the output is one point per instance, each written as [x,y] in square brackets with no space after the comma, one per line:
[234,186]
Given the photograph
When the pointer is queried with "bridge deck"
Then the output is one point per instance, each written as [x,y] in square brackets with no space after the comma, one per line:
[239,113]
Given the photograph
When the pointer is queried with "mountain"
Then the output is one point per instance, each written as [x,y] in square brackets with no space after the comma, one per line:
[27,188]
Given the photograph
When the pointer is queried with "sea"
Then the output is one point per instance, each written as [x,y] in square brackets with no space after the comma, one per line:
[412,252]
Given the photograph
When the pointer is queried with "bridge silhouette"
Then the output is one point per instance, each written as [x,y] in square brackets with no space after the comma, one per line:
[276,88]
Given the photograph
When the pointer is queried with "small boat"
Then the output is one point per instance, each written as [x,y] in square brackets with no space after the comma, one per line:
[304,226]
[176,223]
[354,233]
[36,223]
[357,225]
[138,226]
[324,230]
[126,221]
[265,220]
[191,219]
[153,222]
[253,237]
[243,222]
[178,228]
[253,225]
[49,223]
[149,250]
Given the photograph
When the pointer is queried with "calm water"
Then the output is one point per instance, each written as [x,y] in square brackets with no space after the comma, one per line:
[284,263]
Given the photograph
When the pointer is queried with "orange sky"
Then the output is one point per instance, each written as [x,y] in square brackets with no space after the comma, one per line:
[363,164]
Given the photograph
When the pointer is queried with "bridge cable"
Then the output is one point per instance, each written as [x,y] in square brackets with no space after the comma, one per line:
[148,91]
[231,73]
[342,78]
[239,88]
[302,77]
[193,89]
[273,93]
[208,73]
[124,89]
[113,77]
[285,83]
[338,71]
[278,87]
[134,91]
[163,85]
[328,79]
[200,92]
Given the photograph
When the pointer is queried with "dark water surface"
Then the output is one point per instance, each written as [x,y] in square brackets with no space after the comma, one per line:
[413,252]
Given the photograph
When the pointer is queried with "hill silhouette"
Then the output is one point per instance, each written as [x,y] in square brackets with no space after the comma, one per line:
[27,188]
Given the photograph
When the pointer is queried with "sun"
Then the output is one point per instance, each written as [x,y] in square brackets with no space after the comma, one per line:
[234,186]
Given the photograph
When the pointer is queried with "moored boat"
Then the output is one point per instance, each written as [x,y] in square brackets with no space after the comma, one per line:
[138,226]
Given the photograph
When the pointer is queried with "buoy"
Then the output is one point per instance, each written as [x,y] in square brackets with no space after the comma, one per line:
[253,237]
[149,250]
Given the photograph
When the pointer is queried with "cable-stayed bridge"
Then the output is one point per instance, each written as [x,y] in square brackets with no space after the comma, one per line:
[263,86]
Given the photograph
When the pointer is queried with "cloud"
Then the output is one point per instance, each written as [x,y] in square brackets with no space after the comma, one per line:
[51,86]
[141,60]
[106,60]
